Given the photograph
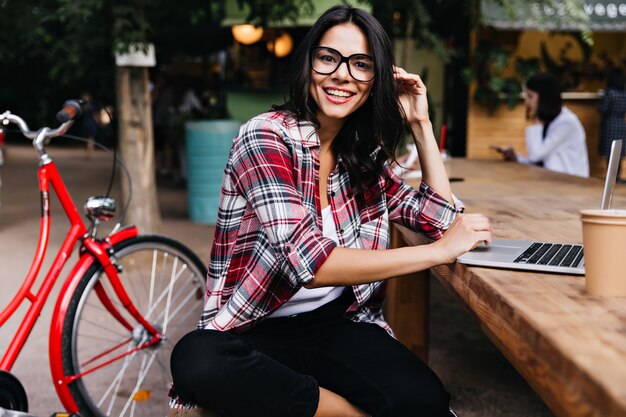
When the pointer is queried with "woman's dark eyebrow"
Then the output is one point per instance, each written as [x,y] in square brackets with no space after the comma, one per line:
[348,56]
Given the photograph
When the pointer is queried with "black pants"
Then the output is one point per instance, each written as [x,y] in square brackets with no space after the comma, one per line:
[275,369]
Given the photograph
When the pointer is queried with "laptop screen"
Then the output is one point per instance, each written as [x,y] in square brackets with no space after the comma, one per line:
[611,174]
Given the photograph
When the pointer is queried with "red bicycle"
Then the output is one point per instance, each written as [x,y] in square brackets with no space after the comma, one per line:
[121,309]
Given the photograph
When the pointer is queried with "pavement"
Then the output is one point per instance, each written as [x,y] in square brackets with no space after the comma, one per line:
[480,380]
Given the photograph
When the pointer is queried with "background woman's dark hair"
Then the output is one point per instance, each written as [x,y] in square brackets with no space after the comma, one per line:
[378,123]
[549,89]
[615,79]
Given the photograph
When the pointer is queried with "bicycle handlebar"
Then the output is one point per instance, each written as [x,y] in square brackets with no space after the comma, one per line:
[71,109]
[7,117]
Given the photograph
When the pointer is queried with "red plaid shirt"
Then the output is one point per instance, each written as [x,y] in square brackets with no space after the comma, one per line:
[268,239]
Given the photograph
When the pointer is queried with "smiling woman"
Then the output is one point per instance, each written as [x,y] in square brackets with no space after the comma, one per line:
[293,322]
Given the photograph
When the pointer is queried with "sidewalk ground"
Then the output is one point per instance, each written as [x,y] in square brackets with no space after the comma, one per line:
[481,381]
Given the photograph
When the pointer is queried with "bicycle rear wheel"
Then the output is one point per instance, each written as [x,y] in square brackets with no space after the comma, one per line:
[165,281]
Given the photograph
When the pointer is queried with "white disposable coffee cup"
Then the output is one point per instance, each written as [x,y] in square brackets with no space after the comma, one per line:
[604,240]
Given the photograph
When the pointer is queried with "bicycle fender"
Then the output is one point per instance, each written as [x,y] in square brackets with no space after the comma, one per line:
[56,330]
[85,261]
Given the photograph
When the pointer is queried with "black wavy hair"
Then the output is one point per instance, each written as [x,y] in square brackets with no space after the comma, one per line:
[549,89]
[370,136]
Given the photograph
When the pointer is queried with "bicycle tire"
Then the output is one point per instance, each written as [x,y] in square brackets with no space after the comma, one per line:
[12,393]
[115,389]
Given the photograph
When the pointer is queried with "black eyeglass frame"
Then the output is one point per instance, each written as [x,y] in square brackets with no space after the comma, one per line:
[343,59]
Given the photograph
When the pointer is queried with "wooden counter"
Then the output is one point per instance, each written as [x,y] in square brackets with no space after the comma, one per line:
[570,347]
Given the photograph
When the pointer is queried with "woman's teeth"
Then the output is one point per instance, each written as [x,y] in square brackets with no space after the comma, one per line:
[339,93]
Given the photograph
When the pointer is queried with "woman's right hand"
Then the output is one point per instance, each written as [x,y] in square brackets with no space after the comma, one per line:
[465,232]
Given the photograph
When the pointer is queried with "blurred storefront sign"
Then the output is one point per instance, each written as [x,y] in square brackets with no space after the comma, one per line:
[603,15]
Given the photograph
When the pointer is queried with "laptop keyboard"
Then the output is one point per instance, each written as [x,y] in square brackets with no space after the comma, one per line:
[552,254]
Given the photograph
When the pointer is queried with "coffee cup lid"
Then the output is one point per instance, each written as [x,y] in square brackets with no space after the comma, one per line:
[604,213]
[613,214]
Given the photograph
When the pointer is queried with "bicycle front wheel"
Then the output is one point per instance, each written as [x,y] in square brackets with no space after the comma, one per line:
[165,281]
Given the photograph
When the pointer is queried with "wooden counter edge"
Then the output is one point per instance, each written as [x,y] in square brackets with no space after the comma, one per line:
[537,362]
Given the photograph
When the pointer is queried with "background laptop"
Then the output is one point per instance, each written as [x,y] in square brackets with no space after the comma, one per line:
[563,258]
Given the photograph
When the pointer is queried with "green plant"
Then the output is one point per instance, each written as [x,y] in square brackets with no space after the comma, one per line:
[494,86]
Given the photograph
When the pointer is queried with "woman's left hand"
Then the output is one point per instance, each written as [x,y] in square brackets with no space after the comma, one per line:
[412,94]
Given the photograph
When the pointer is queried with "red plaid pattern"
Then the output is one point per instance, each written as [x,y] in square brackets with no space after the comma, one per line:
[268,239]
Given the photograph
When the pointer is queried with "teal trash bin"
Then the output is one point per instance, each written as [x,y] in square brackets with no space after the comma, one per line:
[208,145]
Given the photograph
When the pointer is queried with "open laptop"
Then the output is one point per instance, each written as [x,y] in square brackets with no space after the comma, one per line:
[543,256]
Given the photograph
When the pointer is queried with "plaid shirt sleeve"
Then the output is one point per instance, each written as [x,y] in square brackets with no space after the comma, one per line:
[263,171]
[422,210]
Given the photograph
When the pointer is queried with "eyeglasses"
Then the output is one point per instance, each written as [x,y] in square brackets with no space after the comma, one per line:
[325,61]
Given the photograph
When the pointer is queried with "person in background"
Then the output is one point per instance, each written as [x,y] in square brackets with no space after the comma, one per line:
[612,109]
[186,106]
[556,139]
[162,101]
[89,122]
[293,322]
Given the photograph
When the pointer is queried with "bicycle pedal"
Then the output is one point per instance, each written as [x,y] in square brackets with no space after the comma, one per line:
[64,415]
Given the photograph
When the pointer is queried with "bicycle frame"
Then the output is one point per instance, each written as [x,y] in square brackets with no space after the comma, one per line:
[91,251]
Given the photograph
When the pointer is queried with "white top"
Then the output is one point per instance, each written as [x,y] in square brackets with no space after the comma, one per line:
[564,149]
[310,299]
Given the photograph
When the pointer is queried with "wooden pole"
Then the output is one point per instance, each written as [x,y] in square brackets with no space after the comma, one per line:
[136,147]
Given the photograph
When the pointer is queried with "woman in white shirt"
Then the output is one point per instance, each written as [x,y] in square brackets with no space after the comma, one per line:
[556,139]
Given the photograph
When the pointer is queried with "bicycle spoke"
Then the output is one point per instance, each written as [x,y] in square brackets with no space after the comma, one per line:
[103,353]
[108,289]
[120,375]
[180,306]
[116,381]
[143,285]
[169,297]
[143,362]
[182,291]
[128,279]
[153,286]
[140,378]
[89,336]
[135,298]
[185,288]
[103,328]
[163,269]
[164,293]
[97,306]
[152,276]
[164,369]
